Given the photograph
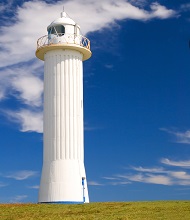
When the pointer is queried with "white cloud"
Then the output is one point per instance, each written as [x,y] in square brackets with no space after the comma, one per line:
[23,82]
[18,198]
[6,6]
[149,170]
[169,178]
[94,183]
[110,178]
[2,7]
[34,187]
[119,183]
[135,177]
[1,93]
[140,3]
[155,175]
[115,181]
[180,175]
[185,164]
[185,7]
[147,178]
[3,184]
[21,175]
[109,66]
[160,11]
[30,88]
[180,137]
[19,73]
[28,119]
[184,183]
[158,179]
[31,19]
[90,128]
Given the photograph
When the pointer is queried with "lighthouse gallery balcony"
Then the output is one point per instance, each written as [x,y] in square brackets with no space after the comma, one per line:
[63,41]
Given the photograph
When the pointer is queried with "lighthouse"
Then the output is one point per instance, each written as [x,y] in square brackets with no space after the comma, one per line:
[63,50]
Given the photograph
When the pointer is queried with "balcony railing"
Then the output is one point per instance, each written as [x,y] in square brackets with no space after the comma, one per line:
[63,39]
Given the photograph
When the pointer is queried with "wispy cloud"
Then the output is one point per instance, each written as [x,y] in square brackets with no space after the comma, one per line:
[161,12]
[94,183]
[110,178]
[19,73]
[115,181]
[169,178]
[87,127]
[29,88]
[185,7]
[24,82]
[184,164]
[155,175]
[149,170]
[28,119]
[147,178]
[180,137]
[109,66]
[34,187]
[102,13]
[21,175]
[18,198]
[119,182]
[6,6]
[158,179]
[139,3]
[3,184]
[180,175]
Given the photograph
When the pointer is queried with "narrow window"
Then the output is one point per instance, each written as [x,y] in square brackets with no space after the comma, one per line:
[58,30]
[49,30]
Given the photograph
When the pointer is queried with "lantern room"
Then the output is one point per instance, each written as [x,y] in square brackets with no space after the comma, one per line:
[63,33]
[64,30]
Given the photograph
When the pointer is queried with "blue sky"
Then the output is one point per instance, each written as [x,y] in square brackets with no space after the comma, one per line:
[136,98]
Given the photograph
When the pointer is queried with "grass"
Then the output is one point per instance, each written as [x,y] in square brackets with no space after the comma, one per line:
[162,210]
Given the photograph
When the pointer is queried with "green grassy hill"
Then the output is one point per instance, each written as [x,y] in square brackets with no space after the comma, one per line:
[174,210]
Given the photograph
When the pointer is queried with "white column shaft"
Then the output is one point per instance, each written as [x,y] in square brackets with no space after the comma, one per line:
[63,106]
[63,158]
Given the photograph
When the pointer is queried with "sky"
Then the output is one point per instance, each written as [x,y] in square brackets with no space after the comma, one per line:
[136,98]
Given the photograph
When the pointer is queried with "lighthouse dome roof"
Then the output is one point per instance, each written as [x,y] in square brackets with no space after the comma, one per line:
[63,20]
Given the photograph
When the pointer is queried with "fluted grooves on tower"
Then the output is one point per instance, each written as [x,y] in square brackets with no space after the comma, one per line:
[63,99]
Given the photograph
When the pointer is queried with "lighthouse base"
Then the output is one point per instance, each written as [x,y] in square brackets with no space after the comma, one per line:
[63,181]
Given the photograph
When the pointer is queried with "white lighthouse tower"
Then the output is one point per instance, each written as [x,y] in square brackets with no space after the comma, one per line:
[63,50]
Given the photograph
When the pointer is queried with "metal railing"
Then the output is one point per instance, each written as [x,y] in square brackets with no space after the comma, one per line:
[63,39]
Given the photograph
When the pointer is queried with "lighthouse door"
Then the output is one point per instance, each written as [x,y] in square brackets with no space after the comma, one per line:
[83,179]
